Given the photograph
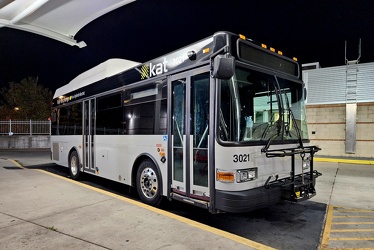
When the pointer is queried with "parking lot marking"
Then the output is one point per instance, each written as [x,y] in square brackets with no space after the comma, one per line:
[201,226]
[357,211]
[353,216]
[351,230]
[345,239]
[353,223]
[348,229]
[326,231]
[351,161]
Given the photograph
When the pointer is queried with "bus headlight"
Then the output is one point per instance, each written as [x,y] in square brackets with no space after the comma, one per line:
[306,163]
[244,175]
[241,175]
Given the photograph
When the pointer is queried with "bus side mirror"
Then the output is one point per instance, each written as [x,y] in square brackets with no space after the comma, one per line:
[223,67]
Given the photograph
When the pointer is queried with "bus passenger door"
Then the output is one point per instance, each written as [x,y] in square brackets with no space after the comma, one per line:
[88,135]
[189,132]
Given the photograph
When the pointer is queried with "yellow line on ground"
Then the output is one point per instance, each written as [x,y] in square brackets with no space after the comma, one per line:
[353,223]
[351,248]
[326,231]
[353,216]
[216,231]
[348,239]
[16,163]
[351,230]
[354,211]
[352,161]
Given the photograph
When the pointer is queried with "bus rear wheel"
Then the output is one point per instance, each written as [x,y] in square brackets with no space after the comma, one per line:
[148,183]
[74,165]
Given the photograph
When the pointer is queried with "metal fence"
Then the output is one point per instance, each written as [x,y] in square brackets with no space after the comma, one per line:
[25,127]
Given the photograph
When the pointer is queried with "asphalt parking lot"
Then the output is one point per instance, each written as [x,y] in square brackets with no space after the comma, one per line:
[42,208]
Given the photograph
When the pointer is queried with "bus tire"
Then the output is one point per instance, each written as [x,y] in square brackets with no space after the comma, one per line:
[74,165]
[148,183]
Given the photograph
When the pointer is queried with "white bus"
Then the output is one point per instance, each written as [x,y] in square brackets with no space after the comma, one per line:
[219,124]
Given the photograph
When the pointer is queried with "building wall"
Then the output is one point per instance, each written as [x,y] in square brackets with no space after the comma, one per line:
[328,85]
[329,89]
[326,124]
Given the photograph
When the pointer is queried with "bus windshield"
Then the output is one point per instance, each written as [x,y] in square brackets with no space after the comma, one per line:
[256,106]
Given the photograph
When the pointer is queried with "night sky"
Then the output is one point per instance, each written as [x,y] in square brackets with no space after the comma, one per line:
[312,31]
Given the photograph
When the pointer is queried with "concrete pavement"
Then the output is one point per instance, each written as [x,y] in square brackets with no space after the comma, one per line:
[39,210]
[345,184]
[347,189]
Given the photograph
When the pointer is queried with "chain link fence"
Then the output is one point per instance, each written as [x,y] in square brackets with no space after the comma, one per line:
[25,127]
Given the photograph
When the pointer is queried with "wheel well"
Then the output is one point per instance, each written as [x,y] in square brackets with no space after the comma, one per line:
[136,165]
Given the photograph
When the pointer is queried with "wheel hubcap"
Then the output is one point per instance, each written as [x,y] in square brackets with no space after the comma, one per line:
[149,183]
[74,165]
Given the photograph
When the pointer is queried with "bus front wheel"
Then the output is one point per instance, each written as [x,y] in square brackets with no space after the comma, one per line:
[148,183]
[74,165]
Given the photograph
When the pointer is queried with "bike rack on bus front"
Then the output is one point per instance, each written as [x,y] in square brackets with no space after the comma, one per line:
[297,187]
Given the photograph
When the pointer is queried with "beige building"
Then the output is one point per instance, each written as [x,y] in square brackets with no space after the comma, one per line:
[340,109]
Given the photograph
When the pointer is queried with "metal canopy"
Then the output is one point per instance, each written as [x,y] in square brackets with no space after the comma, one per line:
[56,19]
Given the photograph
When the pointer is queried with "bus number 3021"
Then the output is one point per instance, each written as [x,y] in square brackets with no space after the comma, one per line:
[241,158]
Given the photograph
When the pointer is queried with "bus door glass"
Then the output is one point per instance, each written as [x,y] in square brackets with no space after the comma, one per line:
[88,135]
[189,130]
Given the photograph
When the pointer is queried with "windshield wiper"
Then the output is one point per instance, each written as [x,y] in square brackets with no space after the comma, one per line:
[297,128]
[282,125]
[288,124]
[279,122]
[270,125]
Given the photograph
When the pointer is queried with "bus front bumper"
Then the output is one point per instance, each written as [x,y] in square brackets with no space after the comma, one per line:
[248,200]
[300,188]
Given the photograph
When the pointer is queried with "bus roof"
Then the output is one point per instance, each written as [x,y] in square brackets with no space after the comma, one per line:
[103,70]
[116,73]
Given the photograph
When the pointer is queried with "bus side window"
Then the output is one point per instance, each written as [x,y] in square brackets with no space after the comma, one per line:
[63,121]
[75,122]
[144,110]
[109,115]
[54,122]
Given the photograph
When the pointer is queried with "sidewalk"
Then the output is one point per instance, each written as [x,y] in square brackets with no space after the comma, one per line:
[40,211]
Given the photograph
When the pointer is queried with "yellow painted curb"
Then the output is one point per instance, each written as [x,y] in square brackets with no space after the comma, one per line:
[326,231]
[16,163]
